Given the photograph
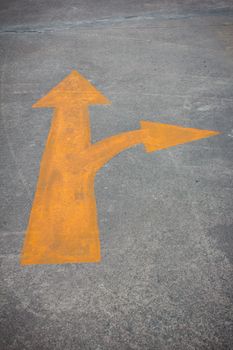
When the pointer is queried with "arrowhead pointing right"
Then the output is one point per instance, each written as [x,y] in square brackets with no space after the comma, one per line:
[161,136]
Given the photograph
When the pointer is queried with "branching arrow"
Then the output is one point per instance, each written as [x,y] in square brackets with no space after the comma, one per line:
[63,225]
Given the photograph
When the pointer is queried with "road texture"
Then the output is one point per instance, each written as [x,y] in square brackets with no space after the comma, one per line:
[166,220]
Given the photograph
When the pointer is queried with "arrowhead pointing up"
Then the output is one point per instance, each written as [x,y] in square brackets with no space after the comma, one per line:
[161,136]
[73,90]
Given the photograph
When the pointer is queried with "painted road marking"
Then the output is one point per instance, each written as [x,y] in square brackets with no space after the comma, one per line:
[63,225]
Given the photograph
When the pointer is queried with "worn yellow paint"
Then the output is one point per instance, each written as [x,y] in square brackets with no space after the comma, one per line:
[63,225]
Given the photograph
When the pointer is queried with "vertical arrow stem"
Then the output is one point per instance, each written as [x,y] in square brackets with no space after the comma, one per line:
[71,128]
[63,223]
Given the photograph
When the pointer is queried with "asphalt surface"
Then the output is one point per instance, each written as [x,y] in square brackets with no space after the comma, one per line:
[165,218]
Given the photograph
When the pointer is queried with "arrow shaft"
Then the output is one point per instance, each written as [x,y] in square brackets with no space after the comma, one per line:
[70,130]
[63,222]
[101,152]
[63,225]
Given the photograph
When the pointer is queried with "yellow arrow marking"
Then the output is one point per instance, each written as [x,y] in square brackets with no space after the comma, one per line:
[63,225]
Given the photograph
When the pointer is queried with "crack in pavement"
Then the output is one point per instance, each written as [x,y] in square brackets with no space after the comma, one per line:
[57,26]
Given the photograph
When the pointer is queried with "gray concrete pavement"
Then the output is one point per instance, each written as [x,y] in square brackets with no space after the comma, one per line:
[166,223]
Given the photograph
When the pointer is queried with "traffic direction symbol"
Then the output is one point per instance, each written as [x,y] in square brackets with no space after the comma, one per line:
[63,225]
